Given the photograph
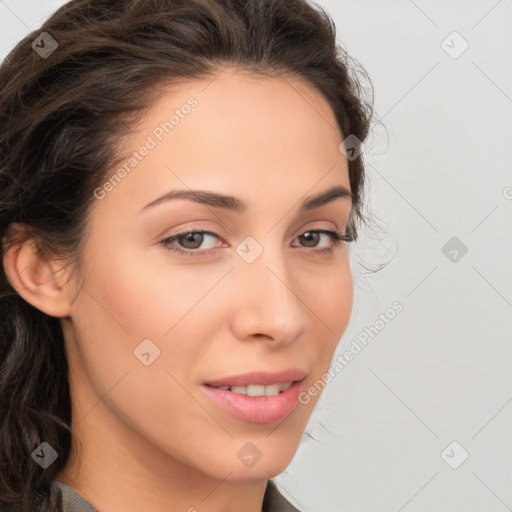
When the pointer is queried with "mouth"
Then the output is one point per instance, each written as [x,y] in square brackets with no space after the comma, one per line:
[257,397]
[257,389]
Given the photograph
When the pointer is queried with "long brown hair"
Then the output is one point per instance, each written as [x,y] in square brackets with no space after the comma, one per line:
[68,92]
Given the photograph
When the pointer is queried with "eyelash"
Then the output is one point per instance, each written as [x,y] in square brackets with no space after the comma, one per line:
[338,239]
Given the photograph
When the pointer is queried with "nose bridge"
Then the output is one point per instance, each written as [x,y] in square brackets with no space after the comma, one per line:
[268,302]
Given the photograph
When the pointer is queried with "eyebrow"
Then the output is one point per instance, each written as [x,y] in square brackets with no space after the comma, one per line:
[235,204]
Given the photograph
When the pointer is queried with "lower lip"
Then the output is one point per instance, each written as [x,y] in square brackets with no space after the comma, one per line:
[256,409]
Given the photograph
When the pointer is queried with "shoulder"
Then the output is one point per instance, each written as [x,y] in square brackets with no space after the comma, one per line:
[72,501]
[274,501]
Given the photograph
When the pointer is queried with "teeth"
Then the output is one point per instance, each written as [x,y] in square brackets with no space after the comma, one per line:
[272,390]
[285,386]
[255,390]
[258,389]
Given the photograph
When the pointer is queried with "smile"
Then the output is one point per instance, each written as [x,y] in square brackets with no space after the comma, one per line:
[258,389]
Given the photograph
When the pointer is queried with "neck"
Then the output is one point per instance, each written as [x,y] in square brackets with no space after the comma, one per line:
[120,475]
[117,470]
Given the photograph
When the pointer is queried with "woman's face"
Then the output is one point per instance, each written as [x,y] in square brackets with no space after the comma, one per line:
[260,292]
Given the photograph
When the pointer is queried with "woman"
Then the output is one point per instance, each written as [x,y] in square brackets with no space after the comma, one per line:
[179,180]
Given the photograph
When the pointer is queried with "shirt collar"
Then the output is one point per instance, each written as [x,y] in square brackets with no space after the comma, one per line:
[273,500]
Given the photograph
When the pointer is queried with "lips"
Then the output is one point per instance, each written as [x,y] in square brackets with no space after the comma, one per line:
[259,378]
[257,397]
[255,409]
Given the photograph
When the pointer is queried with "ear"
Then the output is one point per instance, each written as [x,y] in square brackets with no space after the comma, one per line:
[37,278]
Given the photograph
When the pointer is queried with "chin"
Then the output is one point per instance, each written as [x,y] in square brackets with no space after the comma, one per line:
[260,459]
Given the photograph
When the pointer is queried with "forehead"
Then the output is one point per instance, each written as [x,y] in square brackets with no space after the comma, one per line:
[238,109]
[237,132]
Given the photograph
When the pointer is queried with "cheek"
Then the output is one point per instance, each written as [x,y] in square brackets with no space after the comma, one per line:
[330,302]
[175,306]
[129,300]
[119,310]
[335,298]
[135,313]
[143,299]
[329,295]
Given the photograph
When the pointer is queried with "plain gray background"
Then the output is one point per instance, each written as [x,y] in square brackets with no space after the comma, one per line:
[433,385]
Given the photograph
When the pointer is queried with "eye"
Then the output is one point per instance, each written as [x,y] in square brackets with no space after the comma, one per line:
[191,240]
[312,237]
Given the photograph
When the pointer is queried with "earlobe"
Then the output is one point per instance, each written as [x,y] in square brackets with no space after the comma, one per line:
[33,275]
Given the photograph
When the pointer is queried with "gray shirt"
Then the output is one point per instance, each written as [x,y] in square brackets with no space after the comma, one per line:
[273,500]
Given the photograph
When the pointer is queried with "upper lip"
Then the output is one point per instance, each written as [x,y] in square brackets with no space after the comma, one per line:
[259,378]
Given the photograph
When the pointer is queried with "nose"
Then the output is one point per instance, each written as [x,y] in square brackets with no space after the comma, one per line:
[271,303]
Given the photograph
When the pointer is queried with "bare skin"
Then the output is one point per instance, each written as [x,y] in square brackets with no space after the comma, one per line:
[150,433]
